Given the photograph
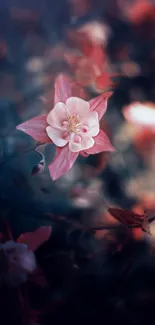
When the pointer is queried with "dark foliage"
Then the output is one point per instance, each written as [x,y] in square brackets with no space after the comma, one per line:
[87,280]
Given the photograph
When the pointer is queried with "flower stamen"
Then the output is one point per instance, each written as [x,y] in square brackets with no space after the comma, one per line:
[72,123]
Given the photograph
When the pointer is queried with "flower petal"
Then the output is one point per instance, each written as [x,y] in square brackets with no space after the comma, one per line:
[74,88]
[92,122]
[36,128]
[56,135]
[28,261]
[35,239]
[11,246]
[84,154]
[63,89]
[63,162]
[78,106]
[86,142]
[99,104]
[102,143]
[57,115]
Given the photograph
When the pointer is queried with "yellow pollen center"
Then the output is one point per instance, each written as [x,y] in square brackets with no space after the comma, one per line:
[73,123]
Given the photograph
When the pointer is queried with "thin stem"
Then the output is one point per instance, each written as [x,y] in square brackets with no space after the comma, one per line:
[108,227]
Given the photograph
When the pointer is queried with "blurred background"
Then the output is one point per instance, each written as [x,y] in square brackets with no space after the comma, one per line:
[40,39]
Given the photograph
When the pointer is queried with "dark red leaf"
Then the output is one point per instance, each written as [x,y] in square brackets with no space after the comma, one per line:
[126,217]
[36,238]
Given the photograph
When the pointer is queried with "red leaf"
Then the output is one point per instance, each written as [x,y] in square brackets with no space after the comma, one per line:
[126,217]
[63,162]
[102,143]
[63,89]
[35,239]
[99,104]
[36,128]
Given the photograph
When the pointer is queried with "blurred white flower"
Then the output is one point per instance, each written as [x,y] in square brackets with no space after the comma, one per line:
[16,262]
[97,32]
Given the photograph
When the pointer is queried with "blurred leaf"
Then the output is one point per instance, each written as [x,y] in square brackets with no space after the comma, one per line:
[36,238]
[126,217]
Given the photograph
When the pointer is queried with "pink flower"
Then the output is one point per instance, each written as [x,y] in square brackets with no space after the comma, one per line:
[72,125]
